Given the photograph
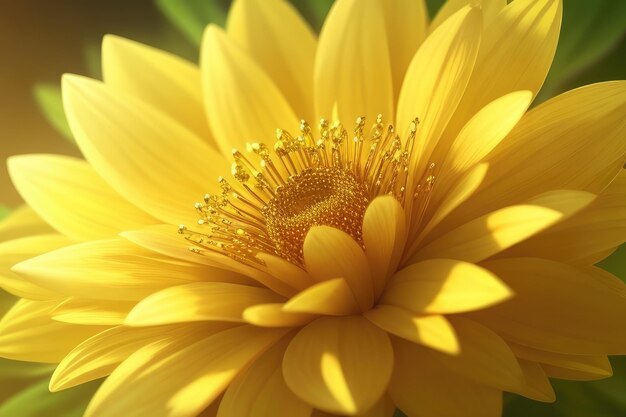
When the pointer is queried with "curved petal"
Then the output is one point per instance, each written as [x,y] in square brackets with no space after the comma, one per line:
[261,391]
[435,82]
[99,355]
[406,22]
[494,232]
[444,286]
[544,316]
[19,250]
[537,385]
[422,387]
[331,253]
[490,9]
[28,333]
[550,148]
[484,357]
[92,312]
[332,297]
[483,133]
[274,315]
[196,373]
[384,236]
[582,367]
[160,79]
[324,364]
[584,238]
[432,331]
[516,54]
[352,65]
[283,45]
[106,270]
[199,301]
[165,240]
[130,145]
[22,222]
[69,195]
[241,101]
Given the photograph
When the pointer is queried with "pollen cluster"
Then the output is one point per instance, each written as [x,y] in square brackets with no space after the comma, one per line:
[280,193]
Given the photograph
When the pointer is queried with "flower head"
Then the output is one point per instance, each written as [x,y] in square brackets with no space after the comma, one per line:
[427,246]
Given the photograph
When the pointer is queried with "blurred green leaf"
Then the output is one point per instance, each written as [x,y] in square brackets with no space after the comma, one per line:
[590,31]
[434,6]
[313,11]
[10,370]
[399,414]
[48,97]
[37,401]
[616,263]
[192,16]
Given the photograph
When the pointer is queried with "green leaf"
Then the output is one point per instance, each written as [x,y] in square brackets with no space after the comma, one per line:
[37,401]
[434,6]
[590,31]
[616,263]
[192,16]
[48,97]
[314,11]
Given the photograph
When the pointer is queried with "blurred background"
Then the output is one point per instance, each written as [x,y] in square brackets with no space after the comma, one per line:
[40,40]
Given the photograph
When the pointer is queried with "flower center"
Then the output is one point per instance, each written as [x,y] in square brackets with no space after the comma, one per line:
[301,183]
[330,196]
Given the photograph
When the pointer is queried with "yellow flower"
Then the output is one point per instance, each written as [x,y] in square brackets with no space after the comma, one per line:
[346,269]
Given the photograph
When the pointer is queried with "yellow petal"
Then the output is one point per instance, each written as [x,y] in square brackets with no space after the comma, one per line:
[546,311]
[200,301]
[92,312]
[444,286]
[384,236]
[165,240]
[490,9]
[575,375]
[484,132]
[99,355]
[163,80]
[331,297]
[406,22]
[285,271]
[274,315]
[462,191]
[383,408]
[242,103]
[584,238]
[558,365]
[537,385]
[331,253]
[106,270]
[324,364]
[283,45]
[69,195]
[21,222]
[521,40]
[352,65]
[432,331]
[494,232]
[435,82]
[196,374]
[423,387]
[542,153]
[28,333]
[484,356]
[18,250]
[130,145]
[261,391]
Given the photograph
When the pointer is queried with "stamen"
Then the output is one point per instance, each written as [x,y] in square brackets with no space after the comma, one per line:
[325,181]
